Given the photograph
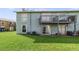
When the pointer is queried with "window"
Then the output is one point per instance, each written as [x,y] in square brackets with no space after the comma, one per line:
[2,23]
[44,30]
[46,18]
[23,28]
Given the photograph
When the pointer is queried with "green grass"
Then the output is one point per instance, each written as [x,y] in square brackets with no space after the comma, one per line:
[10,41]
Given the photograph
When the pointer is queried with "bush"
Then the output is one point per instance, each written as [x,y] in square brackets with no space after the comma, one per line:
[34,33]
[58,34]
[28,32]
[70,33]
[77,32]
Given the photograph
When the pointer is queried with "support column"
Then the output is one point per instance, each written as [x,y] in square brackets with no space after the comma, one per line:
[58,24]
[75,20]
[49,29]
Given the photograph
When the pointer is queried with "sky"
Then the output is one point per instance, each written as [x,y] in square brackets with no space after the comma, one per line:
[9,13]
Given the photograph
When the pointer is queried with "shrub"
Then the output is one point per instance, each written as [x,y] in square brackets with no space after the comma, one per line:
[34,33]
[70,33]
[28,32]
[77,32]
[58,33]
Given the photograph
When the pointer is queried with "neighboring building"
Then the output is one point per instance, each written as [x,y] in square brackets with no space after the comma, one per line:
[47,22]
[7,25]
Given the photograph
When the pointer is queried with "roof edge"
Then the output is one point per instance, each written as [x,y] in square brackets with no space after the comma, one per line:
[72,11]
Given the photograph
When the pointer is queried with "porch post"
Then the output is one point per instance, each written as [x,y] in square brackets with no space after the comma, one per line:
[58,24]
[75,25]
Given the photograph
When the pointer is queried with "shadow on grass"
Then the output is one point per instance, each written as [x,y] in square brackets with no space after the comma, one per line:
[53,39]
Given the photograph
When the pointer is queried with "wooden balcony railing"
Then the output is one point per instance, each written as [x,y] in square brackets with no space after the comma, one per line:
[55,20]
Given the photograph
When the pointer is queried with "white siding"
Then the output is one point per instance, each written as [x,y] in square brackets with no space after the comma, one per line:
[54,29]
[35,25]
[22,19]
[77,24]
[70,27]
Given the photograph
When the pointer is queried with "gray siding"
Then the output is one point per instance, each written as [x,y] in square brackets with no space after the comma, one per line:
[22,19]
[77,23]
[54,29]
[35,25]
[32,23]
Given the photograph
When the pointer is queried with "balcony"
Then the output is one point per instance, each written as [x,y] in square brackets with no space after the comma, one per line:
[56,19]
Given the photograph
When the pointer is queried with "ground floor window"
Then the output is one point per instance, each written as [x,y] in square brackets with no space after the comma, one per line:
[23,28]
[44,30]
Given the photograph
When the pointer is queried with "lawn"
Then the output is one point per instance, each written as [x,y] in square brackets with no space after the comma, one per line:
[10,41]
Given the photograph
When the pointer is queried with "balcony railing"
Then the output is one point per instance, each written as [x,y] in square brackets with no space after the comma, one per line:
[56,19]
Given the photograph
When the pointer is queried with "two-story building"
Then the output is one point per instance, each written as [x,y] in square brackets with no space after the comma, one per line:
[47,22]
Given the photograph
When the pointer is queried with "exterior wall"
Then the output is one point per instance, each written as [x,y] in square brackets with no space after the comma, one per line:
[7,24]
[71,26]
[35,24]
[62,29]
[77,24]
[4,24]
[18,25]
[22,19]
[48,29]
[54,29]
[31,20]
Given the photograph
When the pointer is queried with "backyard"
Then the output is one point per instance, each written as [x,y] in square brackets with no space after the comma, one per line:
[10,41]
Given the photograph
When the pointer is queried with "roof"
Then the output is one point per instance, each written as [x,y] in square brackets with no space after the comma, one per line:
[4,19]
[72,11]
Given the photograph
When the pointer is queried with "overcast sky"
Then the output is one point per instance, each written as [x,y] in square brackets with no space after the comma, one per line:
[10,14]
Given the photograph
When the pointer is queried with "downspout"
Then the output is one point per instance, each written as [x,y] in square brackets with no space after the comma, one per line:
[58,24]
[30,24]
[40,22]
